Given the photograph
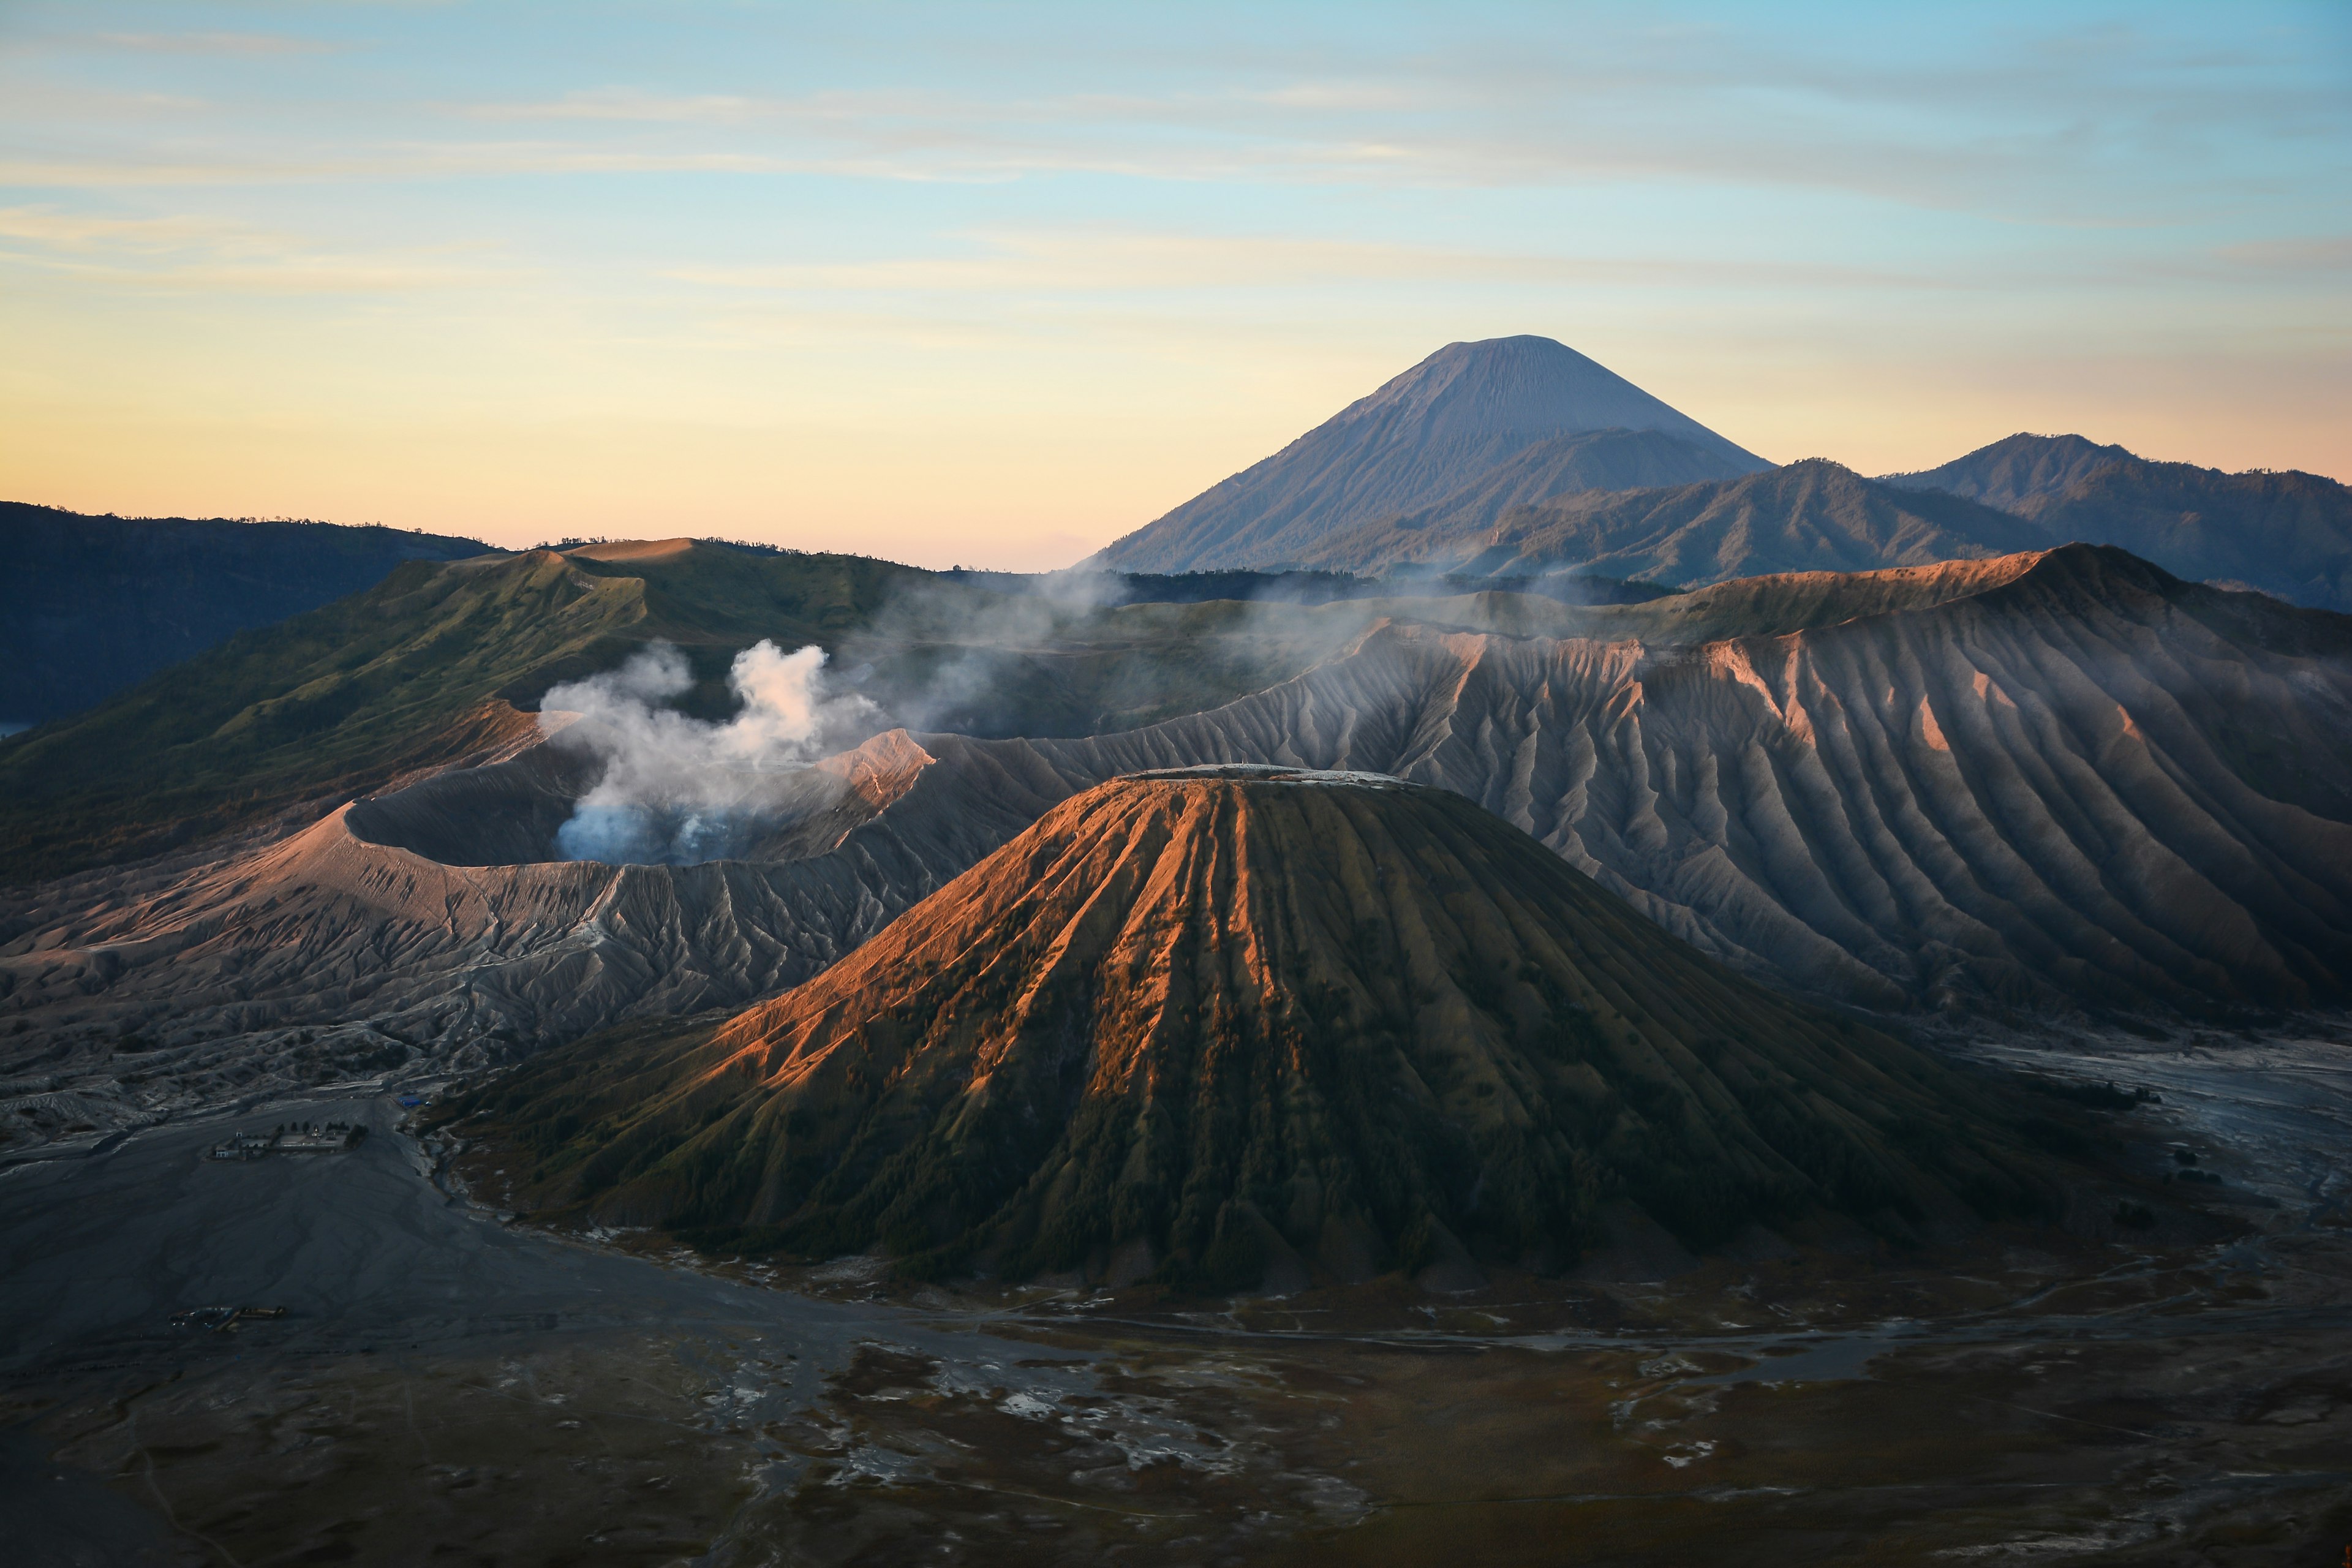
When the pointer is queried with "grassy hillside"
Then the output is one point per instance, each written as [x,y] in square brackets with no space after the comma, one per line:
[425,667]
[441,661]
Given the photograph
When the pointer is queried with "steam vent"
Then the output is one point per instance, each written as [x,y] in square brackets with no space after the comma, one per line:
[1232,1027]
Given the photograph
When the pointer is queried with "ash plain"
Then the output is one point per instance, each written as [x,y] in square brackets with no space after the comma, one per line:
[447,1385]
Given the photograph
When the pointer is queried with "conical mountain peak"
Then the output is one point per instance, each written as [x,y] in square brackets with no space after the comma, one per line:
[1442,425]
[1522,386]
[1231,1024]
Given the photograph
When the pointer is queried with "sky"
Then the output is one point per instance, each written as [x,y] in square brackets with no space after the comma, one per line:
[994,284]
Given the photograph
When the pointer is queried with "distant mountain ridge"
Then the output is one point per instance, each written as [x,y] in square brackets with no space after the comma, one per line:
[2015,471]
[1809,516]
[2284,532]
[97,604]
[1519,457]
[1442,425]
[1570,464]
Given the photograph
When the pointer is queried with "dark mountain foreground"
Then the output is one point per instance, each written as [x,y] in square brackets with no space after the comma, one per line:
[2282,533]
[1231,1022]
[1508,420]
[93,604]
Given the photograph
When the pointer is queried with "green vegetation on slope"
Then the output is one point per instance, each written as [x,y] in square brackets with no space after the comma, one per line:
[439,662]
[336,701]
[2279,531]
[443,661]
[2286,533]
[428,666]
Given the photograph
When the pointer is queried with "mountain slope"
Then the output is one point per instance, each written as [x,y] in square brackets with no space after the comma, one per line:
[2283,532]
[1570,464]
[2083,783]
[2015,469]
[2062,780]
[422,668]
[1225,1019]
[95,603]
[1437,427]
[2286,533]
[1810,516]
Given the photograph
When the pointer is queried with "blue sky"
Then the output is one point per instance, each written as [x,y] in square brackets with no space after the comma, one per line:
[997,283]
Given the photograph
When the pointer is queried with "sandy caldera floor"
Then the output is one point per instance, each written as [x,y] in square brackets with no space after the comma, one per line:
[446,1388]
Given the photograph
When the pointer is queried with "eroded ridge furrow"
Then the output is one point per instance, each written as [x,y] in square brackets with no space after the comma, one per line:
[2073,781]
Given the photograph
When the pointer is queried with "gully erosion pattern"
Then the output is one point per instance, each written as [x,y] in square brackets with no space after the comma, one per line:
[2001,781]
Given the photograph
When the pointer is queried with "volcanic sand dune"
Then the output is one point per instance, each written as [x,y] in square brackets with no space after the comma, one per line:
[1215,1023]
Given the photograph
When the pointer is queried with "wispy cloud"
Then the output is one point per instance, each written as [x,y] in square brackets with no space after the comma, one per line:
[2035,129]
[629,104]
[421,161]
[251,44]
[188,252]
[2030,132]
[85,232]
[1122,260]
[2327,253]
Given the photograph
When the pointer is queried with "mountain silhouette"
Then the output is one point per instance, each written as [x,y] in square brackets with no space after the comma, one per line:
[1441,425]
[1809,516]
[2016,469]
[2279,531]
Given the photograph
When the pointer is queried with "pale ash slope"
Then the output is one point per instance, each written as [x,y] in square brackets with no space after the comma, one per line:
[1441,425]
[336,953]
[2088,783]
[2056,780]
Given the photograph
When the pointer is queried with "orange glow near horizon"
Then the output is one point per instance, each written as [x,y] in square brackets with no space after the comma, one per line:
[999,297]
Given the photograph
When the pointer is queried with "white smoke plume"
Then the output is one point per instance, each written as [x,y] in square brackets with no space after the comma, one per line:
[1053,654]
[970,635]
[675,790]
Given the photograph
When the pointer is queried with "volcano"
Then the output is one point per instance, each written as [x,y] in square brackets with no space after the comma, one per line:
[1526,416]
[1229,1025]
